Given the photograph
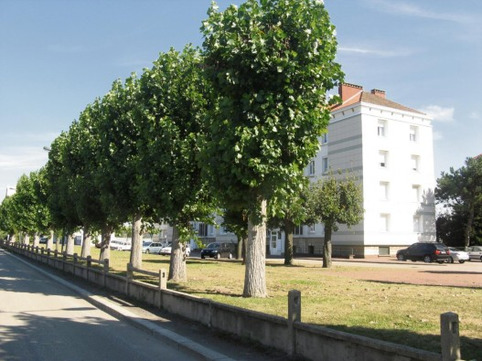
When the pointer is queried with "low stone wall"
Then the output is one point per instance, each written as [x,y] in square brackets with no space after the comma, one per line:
[286,334]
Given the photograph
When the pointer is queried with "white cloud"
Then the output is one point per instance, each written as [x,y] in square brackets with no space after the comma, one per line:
[376,52]
[14,162]
[439,114]
[405,8]
[23,159]
[474,115]
[19,138]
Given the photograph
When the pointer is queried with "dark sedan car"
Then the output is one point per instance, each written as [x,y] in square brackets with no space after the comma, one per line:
[425,251]
[218,250]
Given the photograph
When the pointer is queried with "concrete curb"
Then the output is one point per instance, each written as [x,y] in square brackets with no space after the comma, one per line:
[121,313]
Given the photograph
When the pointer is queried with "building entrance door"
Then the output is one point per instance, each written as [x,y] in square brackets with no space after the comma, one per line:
[275,243]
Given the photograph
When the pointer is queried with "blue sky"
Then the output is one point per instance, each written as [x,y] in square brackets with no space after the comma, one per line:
[57,56]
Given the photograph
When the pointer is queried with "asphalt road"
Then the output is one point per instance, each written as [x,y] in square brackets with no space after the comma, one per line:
[40,319]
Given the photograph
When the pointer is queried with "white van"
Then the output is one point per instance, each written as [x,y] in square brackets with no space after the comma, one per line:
[120,245]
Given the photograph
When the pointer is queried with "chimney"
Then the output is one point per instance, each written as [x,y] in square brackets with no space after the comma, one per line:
[378,93]
[347,90]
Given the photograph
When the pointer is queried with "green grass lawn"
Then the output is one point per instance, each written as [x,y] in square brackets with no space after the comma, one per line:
[401,313]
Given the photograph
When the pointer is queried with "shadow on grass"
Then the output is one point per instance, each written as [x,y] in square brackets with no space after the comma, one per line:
[471,349]
[185,289]
[278,265]
[454,272]
[418,284]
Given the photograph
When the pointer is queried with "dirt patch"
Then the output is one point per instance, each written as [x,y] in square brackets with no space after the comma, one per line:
[419,277]
[468,274]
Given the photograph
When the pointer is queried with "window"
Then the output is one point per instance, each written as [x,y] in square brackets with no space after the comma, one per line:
[413,133]
[312,228]
[414,160]
[381,128]
[222,230]
[312,168]
[211,230]
[384,224]
[203,230]
[324,164]
[382,158]
[384,251]
[298,230]
[383,191]
[415,193]
[324,138]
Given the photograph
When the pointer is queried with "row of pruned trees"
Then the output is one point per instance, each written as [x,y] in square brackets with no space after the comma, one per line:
[229,126]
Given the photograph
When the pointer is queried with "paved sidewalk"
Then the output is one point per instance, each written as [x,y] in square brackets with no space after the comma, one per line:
[191,336]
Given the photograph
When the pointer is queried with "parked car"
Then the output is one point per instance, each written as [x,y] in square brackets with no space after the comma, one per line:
[166,251]
[475,253]
[120,245]
[425,251]
[145,244]
[217,250]
[457,255]
[154,247]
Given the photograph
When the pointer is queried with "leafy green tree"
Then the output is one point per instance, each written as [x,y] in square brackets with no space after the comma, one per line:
[58,186]
[174,97]
[44,219]
[460,191]
[270,64]
[333,201]
[94,207]
[81,167]
[119,129]
[30,213]
[8,227]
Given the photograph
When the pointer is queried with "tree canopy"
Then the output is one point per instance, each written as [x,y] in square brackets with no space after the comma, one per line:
[334,200]
[270,64]
[460,191]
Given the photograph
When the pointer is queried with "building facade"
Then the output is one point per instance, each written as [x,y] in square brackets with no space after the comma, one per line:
[388,148]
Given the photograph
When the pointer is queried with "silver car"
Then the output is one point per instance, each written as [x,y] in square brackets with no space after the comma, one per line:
[475,253]
[154,247]
[457,255]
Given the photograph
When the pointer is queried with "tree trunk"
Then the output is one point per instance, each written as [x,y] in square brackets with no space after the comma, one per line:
[136,250]
[468,225]
[289,228]
[327,247]
[70,244]
[177,267]
[86,243]
[255,273]
[50,241]
[239,248]
[36,240]
[105,243]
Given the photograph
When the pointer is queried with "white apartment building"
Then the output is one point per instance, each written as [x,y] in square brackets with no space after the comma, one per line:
[389,148]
